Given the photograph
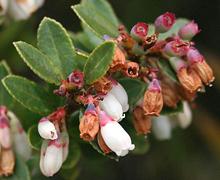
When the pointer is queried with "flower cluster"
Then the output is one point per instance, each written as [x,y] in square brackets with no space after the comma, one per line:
[19,9]
[55,146]
[12,139]
[137,55]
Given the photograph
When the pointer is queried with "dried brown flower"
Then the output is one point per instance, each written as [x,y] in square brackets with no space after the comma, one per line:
[142,122]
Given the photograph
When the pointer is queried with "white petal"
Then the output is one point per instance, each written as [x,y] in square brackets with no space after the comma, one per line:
[4,6]
[53,159]
[5,137]
[116,138]
[185,118]
[161,128]
[20,138]
[23,10]
[121,95]
[47,130]
[42,155]
[21,145]
[112,107]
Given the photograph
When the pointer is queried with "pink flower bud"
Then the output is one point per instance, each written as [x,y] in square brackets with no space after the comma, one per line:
[188,31]
[77,78]
[112,107]
[139,31]
[121,95]
[194,56]
[5,136]
[47,129]
[52,161]
[114,136]
[175,48]
[164,22]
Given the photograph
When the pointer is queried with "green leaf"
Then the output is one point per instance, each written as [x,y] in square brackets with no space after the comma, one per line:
[134,88]
[73,156]
[174,30]
[166,67]
[111,155]
[5,98]
[172,111]
[21,171]
[43,66]
[29,94]
[54,41]
[81,60]
[98,62]
[34,138]
[92,37]
[99,17]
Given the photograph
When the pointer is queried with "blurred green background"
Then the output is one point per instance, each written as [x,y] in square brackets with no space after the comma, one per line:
[193,153]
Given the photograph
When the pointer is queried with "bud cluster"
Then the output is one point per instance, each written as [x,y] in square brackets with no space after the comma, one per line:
[13,139]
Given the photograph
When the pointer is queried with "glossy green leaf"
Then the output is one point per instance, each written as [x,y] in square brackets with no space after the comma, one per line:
[5,98]
[98,62]
[43,66]
[174,30]
[134,88]
[21,171]
[172,111]
[99,16]
[166,67]
[29,94]
[34,138]
[54,41]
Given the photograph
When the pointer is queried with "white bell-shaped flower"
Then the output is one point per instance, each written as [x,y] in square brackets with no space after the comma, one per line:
[185,118]
[22,9]
[53,158]
[5,135]
[3,6]
[121,95]
[112,107]
[162,128]
[20,138]
[47,129]
[115,137]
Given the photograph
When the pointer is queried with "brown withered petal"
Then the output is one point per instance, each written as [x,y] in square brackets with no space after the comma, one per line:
[170,93]
[89,127]
[103,85]
[186,95]
[189,80]
[102,144]
[204,71]
[131,69]
[118,60]
[7,162]
[153,102]
[142,122]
